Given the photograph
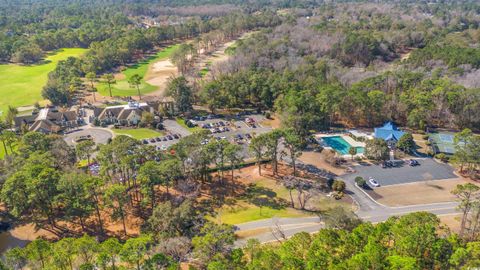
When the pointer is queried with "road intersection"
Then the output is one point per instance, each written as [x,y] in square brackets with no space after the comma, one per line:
[368,210]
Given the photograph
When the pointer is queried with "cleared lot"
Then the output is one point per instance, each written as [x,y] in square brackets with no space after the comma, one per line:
[416,193]
[428,170]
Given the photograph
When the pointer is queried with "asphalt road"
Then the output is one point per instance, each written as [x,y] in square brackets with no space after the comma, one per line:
[368,210]
[99,135]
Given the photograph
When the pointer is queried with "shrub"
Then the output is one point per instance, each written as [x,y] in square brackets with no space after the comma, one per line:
[337,195]
[338,185]
[268,115]
[442,157]
[360,181]
[426,137]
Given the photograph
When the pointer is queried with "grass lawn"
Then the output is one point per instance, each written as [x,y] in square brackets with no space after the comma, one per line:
[245,212]
[181,122]
[21,85]
[138,133]
[265,198]
[2,150]
[122,87]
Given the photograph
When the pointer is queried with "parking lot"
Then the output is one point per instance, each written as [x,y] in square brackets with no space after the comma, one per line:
[427,170]
[238,130]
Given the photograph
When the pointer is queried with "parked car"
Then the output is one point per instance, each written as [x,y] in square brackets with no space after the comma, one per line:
[152,140]
[249,120]
[373,182]
[169,137]
[413,162]
[164,139]
[248,136]
[145,141]
[176,136]
[158,139]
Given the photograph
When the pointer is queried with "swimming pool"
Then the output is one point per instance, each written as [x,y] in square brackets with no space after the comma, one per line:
[340,145]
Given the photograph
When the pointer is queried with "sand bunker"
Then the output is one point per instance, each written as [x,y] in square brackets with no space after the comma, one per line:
[159,74]
[163,65]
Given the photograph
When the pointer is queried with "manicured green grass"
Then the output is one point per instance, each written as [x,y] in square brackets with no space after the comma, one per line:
[122,87]
[2,150]
[245,212]
[21,85]
[265,198]
[138,133]
[181,122]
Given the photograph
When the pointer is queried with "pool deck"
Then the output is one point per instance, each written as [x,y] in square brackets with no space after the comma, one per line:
[347,138]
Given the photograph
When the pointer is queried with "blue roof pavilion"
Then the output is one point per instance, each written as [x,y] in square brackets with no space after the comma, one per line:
[389,132]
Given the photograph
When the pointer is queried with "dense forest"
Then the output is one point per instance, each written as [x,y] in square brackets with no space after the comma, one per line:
[29,29]
[414,241]
[359,65]
[314,64]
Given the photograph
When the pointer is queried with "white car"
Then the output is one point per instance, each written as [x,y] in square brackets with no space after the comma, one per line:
[373,182]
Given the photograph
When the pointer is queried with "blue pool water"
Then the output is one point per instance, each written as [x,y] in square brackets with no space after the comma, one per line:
[340,145]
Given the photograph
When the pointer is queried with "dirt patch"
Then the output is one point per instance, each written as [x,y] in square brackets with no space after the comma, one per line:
[273,123]
[417,193]
[318,159]
[451,221]
[28,232]
[422,146]
[251,233]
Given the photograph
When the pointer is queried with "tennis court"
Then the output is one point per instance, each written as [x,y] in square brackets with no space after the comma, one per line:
[442,142]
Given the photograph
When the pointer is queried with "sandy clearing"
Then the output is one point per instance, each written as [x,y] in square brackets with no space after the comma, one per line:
[218,56]
[163,65]
[273,123]
[418,192]
[158,75]
[452,221]
[28,232]
[318,159]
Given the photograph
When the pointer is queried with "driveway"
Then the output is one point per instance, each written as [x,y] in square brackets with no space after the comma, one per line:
[429,169]
[99,135]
